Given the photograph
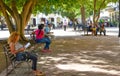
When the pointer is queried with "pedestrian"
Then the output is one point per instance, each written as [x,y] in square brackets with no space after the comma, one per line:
[48,32]
[28,29]
[65,25]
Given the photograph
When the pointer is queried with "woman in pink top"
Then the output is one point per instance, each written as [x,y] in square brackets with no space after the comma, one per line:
[40,38]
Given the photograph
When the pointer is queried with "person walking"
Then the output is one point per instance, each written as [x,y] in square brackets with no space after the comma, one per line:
[65,25]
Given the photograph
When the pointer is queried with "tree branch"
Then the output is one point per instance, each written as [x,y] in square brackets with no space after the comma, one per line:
[30,11]
[99,10]
[3,5]
[94,11]
[26,8]
[15,11]
[6,15]
[14,8]
[7,18]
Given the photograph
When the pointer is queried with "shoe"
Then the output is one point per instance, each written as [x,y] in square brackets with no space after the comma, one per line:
[38,73]
[44,51]
[49,50]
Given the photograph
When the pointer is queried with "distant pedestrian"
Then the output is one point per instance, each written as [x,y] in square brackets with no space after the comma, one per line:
[70,23]
[2,27]
[48,32]
[28,29]
[75,24]
[65,25]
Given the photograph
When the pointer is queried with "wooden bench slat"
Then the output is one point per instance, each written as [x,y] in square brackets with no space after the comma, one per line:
[12,58]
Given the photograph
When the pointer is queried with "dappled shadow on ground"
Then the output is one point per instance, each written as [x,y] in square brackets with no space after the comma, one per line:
[81,64]
[100,58]
[81,56]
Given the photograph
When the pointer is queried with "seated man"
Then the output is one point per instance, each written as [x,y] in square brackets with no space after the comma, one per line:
[89,28]
[102,29]
[47,31]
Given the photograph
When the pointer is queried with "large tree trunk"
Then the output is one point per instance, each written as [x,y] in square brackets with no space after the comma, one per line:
[83,15]
[20,19]
[20,28]
[82,9]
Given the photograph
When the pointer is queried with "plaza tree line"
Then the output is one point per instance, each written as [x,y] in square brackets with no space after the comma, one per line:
[17,13]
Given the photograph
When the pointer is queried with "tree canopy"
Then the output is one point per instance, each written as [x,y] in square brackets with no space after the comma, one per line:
[17,13]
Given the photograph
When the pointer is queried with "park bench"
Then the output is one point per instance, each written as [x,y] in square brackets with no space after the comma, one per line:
[39,46]
[11,63]
[95,31]
[87,30]
[33,38]
[34,44]
[28,31]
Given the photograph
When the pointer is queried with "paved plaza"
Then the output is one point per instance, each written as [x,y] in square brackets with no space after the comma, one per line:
[83,56]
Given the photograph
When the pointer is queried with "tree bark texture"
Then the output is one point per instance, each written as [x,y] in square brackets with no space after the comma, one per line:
[83,14]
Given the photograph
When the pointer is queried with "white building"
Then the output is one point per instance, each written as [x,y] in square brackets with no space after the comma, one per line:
[42,18]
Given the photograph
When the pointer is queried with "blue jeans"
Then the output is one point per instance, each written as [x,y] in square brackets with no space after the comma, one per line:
[44,40]
[22,56]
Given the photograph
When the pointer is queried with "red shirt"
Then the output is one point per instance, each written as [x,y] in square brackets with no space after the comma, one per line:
[41,34]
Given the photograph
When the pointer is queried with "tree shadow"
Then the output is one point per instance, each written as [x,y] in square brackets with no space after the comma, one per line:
[85,63]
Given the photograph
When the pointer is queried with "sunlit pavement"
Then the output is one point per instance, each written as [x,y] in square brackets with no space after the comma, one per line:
[70,32]
[113,31]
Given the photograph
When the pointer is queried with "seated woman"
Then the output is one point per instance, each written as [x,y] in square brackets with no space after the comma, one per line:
[40,38]
[20,54]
